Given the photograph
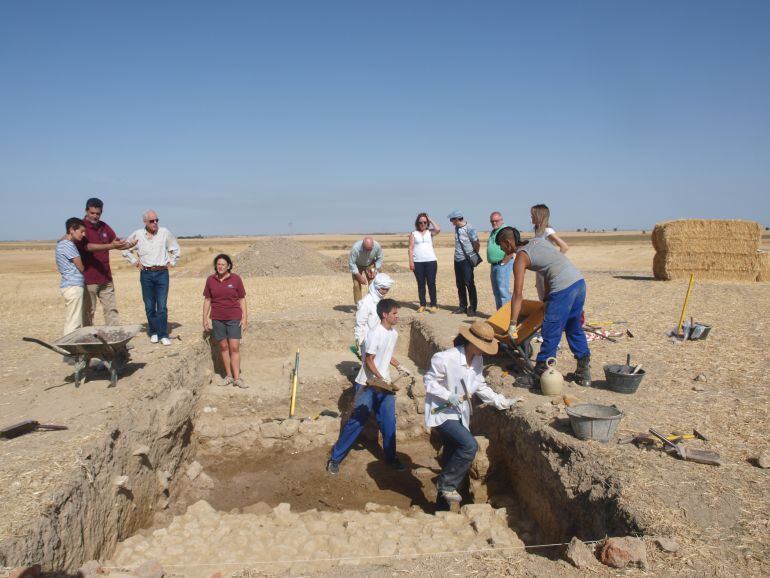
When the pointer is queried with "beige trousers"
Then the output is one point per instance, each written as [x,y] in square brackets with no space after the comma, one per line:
[106,295]
[357,286]
[73,308]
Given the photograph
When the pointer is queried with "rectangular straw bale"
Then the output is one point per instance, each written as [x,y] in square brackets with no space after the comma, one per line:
[679,266]
[731,236]
[763,263]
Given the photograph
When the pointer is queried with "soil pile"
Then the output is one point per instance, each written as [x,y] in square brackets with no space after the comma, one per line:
[279,257]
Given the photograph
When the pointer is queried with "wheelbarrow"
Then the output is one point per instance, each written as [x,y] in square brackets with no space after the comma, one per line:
[106,342]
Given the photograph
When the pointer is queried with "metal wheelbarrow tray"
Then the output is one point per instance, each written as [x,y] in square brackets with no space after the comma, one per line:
[105,342]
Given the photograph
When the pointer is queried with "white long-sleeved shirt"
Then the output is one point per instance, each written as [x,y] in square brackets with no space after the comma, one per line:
[447,369]
[156,250]
[366,318]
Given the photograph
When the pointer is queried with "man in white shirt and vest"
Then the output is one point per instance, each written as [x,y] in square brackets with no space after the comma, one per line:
[156,250]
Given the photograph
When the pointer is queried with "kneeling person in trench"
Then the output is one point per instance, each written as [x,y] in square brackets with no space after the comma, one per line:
[455,375]
[374,390]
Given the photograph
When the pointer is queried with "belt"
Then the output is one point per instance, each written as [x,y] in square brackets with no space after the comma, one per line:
[155,268]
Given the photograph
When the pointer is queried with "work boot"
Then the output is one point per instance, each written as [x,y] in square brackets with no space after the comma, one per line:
[333,467]
[532,380]
[459,311]
[582,373]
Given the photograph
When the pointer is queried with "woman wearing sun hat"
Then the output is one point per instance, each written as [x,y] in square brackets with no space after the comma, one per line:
[456,375]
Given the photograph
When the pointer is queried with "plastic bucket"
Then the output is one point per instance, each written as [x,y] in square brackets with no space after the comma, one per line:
[591,421]
[620,380]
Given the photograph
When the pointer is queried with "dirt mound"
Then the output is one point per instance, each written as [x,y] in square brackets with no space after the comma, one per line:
[279,257]
[340,265]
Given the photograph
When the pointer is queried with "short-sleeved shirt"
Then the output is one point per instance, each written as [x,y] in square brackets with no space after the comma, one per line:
[96,263]
[66,251]
[547,232]
[381,343]
[225,297]
[464,237]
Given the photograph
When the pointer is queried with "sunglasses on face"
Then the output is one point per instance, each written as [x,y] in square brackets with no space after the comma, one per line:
[152,220]
[422,222]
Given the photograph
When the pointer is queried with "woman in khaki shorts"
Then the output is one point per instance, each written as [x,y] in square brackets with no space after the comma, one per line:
[224,312]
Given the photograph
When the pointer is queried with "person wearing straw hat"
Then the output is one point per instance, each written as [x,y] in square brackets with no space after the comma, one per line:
[454,377]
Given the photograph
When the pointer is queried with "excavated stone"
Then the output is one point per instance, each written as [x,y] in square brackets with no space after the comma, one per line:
[667,545]
[623,552]
[91,569]
[150,569]
[764,459]
[580,555]
[194,470]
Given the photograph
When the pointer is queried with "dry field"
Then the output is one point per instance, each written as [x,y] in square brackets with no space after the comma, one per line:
[720,515]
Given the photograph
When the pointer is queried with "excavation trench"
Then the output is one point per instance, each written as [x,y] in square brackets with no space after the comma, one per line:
[225,463]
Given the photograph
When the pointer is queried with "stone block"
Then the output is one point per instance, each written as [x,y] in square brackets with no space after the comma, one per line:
[258,509]
[270,430]
[480,465]
[289,427]
[91,569]
[194,470]
[579,554]
[150,569]
[623,552]
[667,545]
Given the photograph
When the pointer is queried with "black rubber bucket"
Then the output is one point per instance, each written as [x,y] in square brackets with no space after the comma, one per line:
[620,380]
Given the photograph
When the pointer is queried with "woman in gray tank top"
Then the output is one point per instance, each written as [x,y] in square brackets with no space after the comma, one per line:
[565,295]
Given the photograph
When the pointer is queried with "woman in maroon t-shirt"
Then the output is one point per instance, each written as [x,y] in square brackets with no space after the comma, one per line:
[224,311]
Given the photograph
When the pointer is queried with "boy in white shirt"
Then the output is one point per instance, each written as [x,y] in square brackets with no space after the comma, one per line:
[373,390]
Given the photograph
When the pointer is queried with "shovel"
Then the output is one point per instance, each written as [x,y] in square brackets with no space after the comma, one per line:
[689,454]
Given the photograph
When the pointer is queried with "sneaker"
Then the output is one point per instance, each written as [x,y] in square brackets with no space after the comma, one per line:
[227,380]
[397,466]
[165,341]
[333,467]
[432,309]
[459,311]
[451,496]
[240,383]
[421,309]
[471,312]
[153,338]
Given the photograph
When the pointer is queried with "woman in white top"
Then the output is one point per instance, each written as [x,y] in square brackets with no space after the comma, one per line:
[422,259]
[366,315]
[454,377]
[540,216]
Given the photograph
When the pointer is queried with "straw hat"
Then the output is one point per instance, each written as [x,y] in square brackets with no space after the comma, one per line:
[481,334]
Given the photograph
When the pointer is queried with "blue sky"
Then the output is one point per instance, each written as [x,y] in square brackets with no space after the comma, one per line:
[241,117]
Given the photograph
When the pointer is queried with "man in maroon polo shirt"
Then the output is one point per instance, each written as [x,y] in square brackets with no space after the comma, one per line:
[95,249]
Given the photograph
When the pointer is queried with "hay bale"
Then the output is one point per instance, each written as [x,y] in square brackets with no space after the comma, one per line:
[709,249]
[763,266]
[707,235]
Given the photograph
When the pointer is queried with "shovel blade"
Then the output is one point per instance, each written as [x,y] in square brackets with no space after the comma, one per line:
[700,456]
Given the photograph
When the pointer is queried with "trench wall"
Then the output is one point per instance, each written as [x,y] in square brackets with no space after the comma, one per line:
[88,513]
[563,490]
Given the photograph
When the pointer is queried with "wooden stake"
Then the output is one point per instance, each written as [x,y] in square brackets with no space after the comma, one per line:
[684,307]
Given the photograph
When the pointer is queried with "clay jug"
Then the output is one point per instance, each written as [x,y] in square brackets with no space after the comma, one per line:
[551,381]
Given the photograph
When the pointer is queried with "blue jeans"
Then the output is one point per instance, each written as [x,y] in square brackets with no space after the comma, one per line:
[384,406]
[562,313]
[460,448]
[500,276]
[155,296]
[425,273]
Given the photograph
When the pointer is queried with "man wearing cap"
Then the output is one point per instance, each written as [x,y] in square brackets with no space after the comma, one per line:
[454,377]
[501,265]
[94,248]
[156,250]
[466,250]
[364,261]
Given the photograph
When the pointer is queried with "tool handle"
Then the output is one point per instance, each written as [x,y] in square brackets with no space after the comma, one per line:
[628,359]
[636,369]
[663,438]
[54,348]
[50,426]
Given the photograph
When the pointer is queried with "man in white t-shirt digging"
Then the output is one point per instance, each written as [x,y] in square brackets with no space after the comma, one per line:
[374,391]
